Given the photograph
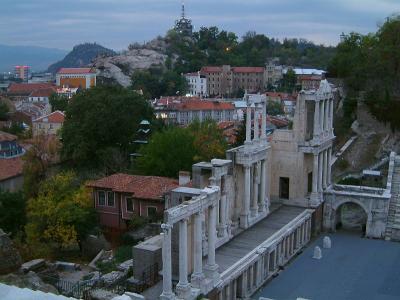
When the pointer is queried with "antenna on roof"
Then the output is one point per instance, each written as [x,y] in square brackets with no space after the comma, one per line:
[183,10]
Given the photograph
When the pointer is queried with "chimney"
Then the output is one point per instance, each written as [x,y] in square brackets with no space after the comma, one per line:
[184,178]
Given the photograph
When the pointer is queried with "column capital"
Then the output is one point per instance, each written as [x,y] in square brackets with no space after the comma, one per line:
[165,227]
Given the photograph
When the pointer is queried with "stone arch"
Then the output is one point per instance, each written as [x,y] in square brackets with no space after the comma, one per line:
[337,213]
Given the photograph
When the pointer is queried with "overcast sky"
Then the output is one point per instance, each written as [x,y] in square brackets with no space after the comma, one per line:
[116,23]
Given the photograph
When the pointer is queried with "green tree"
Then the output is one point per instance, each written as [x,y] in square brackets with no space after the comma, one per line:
[3,111]
[100,126]
[209,141]
[43,152]
[58,102]
[167,153]
[61,215]
[289,81]
[274,108]
[12,212]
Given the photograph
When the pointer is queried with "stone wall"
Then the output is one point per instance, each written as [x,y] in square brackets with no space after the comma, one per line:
[10,259]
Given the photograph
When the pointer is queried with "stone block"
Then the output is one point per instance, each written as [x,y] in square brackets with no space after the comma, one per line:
[113,278]
[33,265]
[317,253]
[126,266]
[327,243]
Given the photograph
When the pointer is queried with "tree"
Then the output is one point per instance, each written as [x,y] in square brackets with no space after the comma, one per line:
[12,212]
[43,152]
[61,215]
[167,153]
[100,123]
[289,81]
[58,102]
[3,111]
[274,108]
[209,141]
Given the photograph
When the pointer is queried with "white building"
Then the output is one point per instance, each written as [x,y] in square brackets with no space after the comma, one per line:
[197,84]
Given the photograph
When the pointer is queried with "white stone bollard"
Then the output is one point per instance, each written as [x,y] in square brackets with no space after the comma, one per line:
[327,242]
[317,253]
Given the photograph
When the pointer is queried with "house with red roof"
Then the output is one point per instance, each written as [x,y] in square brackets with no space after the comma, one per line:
[22,91]
[48,124]
[42,95]
[227,81]
[121,197]
[83,78]
[187,110]
[11,162]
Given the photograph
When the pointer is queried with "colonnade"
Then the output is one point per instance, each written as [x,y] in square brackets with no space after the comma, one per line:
[195,211]
[321,170]
[255,191]
[323,118]
[265,262]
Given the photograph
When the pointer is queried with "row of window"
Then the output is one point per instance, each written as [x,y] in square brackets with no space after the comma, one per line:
[108,199]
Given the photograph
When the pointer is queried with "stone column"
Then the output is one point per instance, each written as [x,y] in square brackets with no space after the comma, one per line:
[325,174]
[260,274]
[183,286]
[316,120]
[198,275]
[314,193]
[244,285]
[256,125]
[263,197]
[254,206]
[248,124]
[264,122]
[329,175]
[167,293]
[223,220]
[331,115]
[244,217]
[266,271]
[322,116]
[211,269]
[327,122]
[234,289]
[320,171]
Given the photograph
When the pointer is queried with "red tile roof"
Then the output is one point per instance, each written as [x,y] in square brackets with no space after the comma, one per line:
[248,69]
[143,187]
[205,105]
[75,71]
[7,137]
[10,167]
[54,117]
[211,69]
[47,92]
[27,88]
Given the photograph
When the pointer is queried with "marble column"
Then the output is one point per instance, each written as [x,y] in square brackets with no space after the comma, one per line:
[266,271]
[244,285]
[222,220]
[329,175]
[167,293]
[314,192]
[211,269]
[256,125]
[327,107]
[197,275]
[331,115]
[320,171]
[248,124]
[183,286]
[254,206]
[325,173]
[263,182]
[322,117]
[234,289]
[316,120]
[264,122]
[244,217]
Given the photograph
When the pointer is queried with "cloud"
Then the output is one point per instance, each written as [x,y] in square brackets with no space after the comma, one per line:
[116,23]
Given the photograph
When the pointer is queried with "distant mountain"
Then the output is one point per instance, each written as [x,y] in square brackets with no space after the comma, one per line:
[38,58]
[81,55]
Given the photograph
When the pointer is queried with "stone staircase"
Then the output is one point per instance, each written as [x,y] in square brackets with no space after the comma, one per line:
[393,221]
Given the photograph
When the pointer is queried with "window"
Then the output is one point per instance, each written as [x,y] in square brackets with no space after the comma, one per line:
[284,187]
[129,204]
[309,182]
[101,198]
[151,211]
[110,199]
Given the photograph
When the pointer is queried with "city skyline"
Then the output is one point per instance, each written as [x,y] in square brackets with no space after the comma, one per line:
[116,24]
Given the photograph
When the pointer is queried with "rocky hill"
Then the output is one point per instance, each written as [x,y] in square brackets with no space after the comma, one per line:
[119,68]
[81,55]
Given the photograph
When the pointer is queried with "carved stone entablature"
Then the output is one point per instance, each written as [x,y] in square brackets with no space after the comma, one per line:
[208,197]
[248,155]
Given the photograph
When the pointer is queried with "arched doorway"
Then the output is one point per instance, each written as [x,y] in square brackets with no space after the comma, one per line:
[351,216]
